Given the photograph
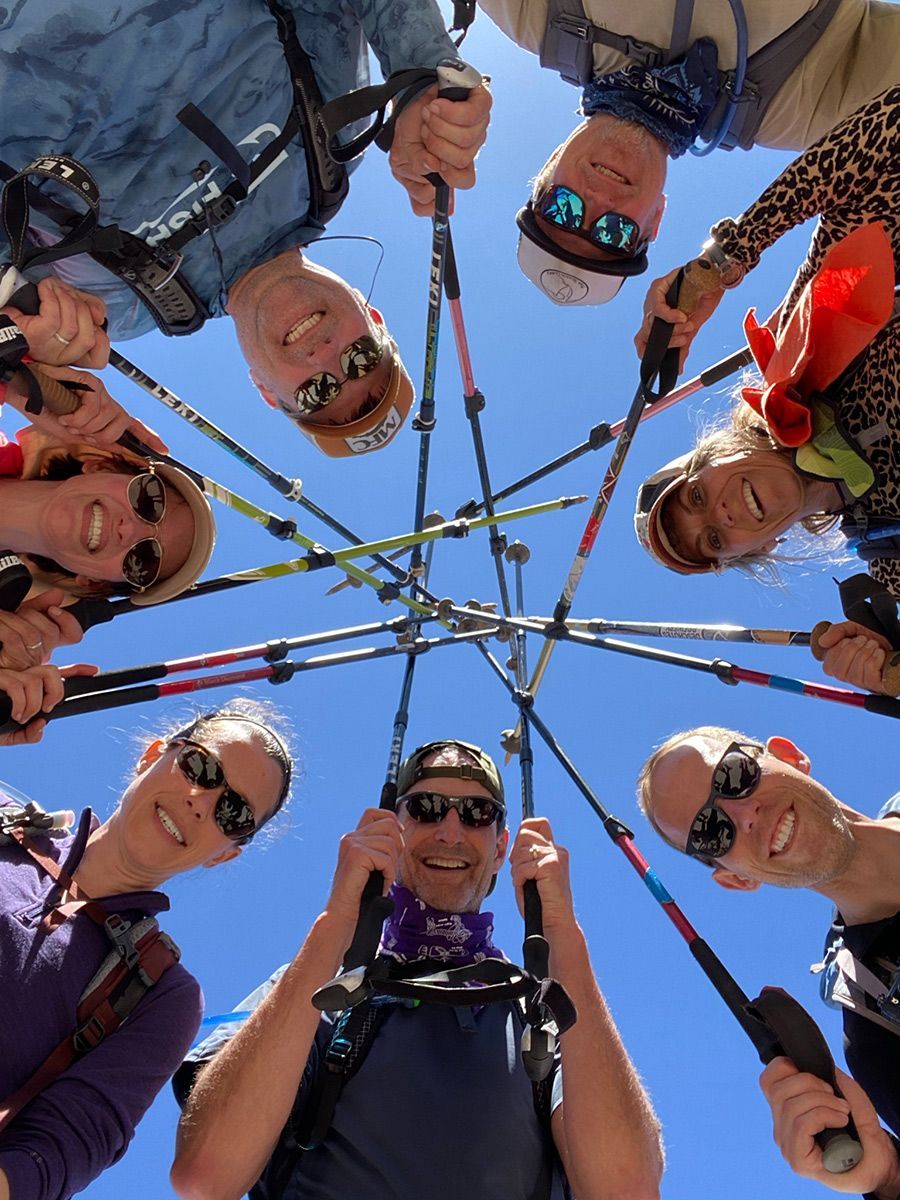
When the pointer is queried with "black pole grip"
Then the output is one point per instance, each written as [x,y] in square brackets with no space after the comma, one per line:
[535,949]
[800,1039]
[374,909]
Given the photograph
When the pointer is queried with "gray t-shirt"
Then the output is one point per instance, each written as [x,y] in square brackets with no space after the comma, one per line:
[441,1107]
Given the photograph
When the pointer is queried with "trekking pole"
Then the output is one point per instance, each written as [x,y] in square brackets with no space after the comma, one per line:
[474,402]
[703,633]
[450,87]
[272,651]
[602,434]
[659,360]
[774,1022]
[725,671]
[278,672]
[538,1039]
[60,401]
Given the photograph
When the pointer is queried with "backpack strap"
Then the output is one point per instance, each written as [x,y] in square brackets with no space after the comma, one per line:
[570,37]
[152,272]
[767,72]
[140,956]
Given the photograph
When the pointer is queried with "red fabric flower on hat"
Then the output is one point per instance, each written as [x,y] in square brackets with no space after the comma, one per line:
[838,313]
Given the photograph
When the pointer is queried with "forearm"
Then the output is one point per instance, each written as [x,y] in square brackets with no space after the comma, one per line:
[4,1186]
[848,177]
[404,33]
[610,1137]
[242,1099]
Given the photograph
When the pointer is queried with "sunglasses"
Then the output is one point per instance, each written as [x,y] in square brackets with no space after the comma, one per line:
[142,563]
[736,776]
[477,812]
[612,232]
[202,769]
[358,359]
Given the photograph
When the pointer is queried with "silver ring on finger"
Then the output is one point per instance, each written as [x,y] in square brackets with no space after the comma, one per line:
[63,340]
[535,852]
[37,646]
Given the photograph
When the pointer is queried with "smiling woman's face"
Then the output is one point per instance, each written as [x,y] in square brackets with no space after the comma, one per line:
[90,526]
[734,506]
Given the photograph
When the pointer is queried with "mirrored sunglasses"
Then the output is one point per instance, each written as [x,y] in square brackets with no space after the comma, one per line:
[202,769]
[358,359]
[431,807]
[613,232]
[143,562]
[735,776]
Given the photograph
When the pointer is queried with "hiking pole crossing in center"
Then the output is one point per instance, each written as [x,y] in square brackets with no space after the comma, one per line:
[774,1022]
[538,1039]
[726,672]
[278,672]
[603,433]
[659,360]
[474,403]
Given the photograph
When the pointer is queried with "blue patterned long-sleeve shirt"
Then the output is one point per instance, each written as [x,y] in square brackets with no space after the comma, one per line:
[104,82]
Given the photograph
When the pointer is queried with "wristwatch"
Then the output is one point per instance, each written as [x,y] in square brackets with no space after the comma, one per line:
[730,272]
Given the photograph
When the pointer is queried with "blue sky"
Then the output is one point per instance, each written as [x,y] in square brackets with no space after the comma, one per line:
[548,375]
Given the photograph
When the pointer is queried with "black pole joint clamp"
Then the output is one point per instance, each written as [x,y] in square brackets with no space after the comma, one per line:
[282,672]
[523,698]
[317,556]
[600,435]
[474,404]
[276,649]
[723,670]
[455,529]
[615,828]
[498,543]
[282,527]
[468,510]
[389,592]
[423,424]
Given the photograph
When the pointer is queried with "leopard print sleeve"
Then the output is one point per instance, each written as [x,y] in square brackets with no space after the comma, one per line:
[886,571]
[847,178]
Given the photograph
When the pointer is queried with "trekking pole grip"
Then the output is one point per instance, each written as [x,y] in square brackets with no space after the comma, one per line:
[455,79]
[374,909]
[700,278]
[890,672]
[58,400]
[535,949]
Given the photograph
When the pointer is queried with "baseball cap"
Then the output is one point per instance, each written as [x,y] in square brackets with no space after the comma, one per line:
[483,770]
[376,428]
[648,524]
[567,278]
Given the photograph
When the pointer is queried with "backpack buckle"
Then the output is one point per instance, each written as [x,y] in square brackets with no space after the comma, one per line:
[119,932]
[89,1035]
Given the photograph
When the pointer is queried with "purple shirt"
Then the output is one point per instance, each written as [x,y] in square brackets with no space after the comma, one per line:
[83,1121]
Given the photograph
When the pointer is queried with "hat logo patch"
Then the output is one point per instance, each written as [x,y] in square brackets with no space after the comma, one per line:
[379,436]
[563,287]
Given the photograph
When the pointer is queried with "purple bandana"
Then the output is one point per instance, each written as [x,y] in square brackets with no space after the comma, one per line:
[415,930]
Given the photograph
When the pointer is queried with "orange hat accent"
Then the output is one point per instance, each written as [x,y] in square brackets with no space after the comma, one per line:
[848,300]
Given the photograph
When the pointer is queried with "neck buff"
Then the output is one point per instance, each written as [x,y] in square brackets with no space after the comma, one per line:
[672,101]
[416,930]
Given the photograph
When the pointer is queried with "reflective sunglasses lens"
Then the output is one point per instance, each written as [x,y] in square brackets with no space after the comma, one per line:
[199,767]
[234,816]
[563,207]
[478,813]
[147,497]
[361,357]
[736,775]
[615,233]
[712,833]
[427,807]
[141,565]
[317,393]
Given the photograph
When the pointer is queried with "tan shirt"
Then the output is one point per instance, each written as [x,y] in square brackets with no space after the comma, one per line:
[855,59]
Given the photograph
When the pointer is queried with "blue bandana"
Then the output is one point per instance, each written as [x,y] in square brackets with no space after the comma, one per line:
[672,102]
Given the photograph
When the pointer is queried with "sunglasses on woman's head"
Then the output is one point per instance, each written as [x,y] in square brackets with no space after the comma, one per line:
[202,769]
[612,232]
[735,776]
[360,358]
[143,562]
[431,807]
